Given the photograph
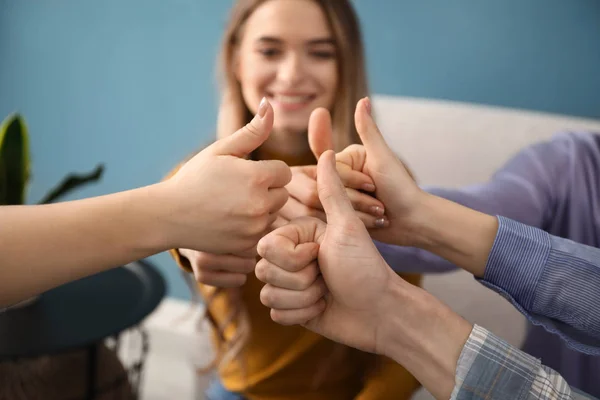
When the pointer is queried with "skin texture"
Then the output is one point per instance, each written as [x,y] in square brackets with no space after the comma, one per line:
[45,246]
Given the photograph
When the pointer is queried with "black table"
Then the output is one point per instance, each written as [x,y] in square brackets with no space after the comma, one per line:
[81,314]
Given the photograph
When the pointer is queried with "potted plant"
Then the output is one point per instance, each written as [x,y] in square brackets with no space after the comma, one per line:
[15,170]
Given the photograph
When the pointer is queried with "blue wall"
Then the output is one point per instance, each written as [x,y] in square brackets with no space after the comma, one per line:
[130,82]
[536,54]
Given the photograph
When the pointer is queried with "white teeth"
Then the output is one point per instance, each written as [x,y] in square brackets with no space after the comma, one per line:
[291,99]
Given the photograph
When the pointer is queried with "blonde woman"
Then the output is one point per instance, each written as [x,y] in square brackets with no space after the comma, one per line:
[300,55]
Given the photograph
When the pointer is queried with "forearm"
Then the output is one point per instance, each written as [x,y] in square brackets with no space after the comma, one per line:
[493,198]
[551,280]
[413,260]
[456,233]
[453,359]
[44,246]
[423,335]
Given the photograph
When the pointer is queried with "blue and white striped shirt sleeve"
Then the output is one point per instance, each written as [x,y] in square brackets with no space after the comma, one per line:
[554,282]
[490,368]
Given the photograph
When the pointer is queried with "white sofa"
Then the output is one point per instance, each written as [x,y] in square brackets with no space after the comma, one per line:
[445,143]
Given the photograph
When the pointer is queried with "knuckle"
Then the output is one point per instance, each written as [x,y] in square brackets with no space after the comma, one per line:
[282,170]
[279,317]
[298,263]
[261,271]
[256,229]
[267,297]
[252,128]
[203,277]
[258,177]
[257,207]
[307,278]
[263,247]
[305,282]
[354,148]
[270,275]
[201,259]
[307,298]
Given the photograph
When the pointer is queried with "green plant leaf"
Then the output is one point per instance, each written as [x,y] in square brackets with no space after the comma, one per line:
[14,160]
[71,182]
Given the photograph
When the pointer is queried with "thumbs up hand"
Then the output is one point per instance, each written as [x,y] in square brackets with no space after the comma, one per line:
[405,203]
[222,203]
[304,200]
[396,188]
[329,276]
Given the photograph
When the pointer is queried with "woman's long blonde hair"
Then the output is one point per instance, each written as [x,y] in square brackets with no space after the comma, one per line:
[234,113]
[352,86]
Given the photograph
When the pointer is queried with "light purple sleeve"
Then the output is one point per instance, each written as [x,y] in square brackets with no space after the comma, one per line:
[525,189]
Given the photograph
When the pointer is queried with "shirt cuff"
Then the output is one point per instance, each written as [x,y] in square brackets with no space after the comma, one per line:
[517,260]
[520,267]
[490,368]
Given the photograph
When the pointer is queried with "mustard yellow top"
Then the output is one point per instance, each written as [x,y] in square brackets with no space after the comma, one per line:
[281,362]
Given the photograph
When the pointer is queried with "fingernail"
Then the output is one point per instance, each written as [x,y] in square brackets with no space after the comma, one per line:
[368,187]
[376,210]
[381,222]
[368,105]
[262,107]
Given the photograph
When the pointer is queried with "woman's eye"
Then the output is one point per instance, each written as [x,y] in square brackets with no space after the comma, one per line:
[268,53]
[325,55]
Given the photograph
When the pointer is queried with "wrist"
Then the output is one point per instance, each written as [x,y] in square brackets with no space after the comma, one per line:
[459,234]
[156,210]
[417,228]
[423,335]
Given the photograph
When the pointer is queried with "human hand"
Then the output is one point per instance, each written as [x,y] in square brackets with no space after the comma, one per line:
[304,199]
[222,203]
[395,186]
[219,270]
[329,276]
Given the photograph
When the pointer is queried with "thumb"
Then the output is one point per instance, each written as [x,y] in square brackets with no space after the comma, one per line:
[320,134]
[250,137]
[332,193]
[369,133]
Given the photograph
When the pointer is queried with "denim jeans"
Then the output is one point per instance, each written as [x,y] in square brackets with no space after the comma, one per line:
[216,391]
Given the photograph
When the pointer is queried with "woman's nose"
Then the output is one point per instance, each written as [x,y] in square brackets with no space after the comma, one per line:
[291,70]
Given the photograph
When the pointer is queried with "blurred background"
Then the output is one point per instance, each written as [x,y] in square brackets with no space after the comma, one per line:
[459,86]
